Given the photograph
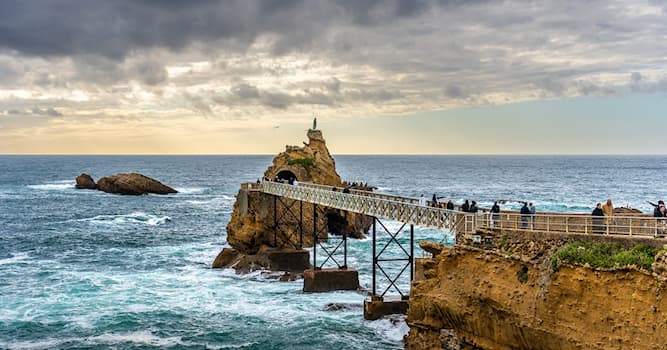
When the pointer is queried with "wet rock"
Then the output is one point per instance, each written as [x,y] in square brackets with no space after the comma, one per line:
[132,184]
[432,247]
[85,182]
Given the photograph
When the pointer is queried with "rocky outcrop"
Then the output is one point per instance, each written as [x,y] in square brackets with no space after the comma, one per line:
[130,184]
[251,227]
[85,182]
[310,163]
[470,298]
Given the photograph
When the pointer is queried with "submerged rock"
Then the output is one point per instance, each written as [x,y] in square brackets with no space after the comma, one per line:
[85,182]
[132,184]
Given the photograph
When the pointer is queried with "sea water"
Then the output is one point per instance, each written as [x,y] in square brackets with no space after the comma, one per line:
[85,269]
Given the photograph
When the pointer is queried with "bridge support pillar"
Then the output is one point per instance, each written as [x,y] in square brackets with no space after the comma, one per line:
[376,307]
[292,260]
[327,280]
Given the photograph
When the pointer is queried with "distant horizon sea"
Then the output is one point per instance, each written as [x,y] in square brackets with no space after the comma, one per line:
[85,269]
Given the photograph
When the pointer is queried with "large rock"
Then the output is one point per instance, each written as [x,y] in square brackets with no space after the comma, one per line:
[85,182]
[252,224]
[132,184]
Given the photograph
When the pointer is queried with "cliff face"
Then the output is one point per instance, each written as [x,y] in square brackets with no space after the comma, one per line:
[470,298]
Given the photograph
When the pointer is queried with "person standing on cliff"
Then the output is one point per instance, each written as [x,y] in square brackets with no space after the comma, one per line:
[598,219]
[608,209]
[531,207]
[315,123]
[525,214]
[434,201]
[422,201]
[495,213]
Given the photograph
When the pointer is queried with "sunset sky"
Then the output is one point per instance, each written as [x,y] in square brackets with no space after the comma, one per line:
[393,77]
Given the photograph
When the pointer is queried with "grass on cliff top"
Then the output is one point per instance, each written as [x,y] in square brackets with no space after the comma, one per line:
[600,255]
[307,163]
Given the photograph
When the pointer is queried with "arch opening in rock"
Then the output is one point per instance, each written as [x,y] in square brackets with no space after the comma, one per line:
[286,175]
[336,223]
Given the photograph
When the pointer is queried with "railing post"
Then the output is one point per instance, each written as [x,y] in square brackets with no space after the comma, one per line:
[630,227]
[548,222]
[567,224]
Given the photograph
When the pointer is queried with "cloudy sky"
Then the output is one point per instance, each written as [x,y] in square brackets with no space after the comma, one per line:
[393,76]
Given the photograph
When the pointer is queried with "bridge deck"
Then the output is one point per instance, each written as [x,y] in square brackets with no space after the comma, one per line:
[407,210]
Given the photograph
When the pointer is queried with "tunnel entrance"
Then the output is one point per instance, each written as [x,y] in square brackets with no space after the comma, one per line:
[286,176]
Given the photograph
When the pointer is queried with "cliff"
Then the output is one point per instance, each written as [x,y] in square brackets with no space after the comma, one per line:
[511,297]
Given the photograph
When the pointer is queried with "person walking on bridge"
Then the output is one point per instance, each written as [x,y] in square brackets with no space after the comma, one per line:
[422,201]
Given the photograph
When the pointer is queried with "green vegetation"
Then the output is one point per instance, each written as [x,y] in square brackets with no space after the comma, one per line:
[601,255]
[307,163]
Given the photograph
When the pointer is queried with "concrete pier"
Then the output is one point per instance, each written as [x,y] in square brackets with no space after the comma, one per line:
[292,260]
[327,280]
[378,307]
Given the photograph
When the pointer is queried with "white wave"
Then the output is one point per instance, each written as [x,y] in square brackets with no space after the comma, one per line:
[144,337]
[15,258]
[392,327]
[190,190]
[60,185]
[133,218]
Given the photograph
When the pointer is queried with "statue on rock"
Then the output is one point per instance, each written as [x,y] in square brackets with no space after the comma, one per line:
[315,123]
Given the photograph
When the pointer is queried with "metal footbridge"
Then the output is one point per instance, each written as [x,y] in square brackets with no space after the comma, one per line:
[409,212]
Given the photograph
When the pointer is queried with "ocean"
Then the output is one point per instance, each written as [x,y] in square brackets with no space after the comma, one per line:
[87,270]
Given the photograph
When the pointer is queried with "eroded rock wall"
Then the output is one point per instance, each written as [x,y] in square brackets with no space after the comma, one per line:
[491,301]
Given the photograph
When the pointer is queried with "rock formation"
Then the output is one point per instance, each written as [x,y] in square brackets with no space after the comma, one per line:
[510,298]
[130,184]
[251,228]
[85,182]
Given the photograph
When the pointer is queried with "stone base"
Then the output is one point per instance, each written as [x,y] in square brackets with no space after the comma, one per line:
[296,260]
[330,279]
[378,307]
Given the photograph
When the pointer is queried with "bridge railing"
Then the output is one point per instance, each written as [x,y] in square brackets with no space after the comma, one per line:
[640,225]
[407,210]
[370,204]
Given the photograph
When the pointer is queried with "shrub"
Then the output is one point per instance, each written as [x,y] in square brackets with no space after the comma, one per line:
[601,255]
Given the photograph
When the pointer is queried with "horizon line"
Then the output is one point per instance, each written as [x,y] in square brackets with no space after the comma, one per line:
[335,154]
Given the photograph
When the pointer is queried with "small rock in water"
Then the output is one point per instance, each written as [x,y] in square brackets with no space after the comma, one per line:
[85,182]
[341,307]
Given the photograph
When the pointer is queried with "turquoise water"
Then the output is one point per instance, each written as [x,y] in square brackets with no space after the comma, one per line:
[83,269]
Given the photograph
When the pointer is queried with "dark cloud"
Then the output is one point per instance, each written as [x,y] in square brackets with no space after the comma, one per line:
[35,112]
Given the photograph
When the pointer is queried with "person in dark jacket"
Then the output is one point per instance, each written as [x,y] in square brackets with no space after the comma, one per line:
[450,205]
[656,208]
[495,213]
[598,219]
[434,201]
[525,215]
[465,206]
[473,207]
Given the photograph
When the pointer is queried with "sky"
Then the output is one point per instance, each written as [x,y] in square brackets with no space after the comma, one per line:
[382,76]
